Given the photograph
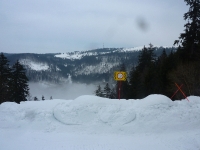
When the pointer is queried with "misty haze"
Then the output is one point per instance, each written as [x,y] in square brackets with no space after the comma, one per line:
[60,91]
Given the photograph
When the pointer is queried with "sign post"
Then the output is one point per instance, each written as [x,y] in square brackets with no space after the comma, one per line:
[119,76]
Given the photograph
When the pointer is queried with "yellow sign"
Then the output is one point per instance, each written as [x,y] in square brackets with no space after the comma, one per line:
[120,75]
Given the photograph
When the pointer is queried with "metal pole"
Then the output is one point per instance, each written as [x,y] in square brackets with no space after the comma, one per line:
[119,92]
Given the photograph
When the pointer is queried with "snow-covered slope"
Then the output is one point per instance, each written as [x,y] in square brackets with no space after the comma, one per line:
[80,54]
[76,55]
[91,122]
[95,65]
[33,65]
[139,48]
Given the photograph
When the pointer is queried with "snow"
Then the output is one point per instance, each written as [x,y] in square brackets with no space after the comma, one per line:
[57,69]
[78,55]
[93,123]
[81,54]
[37,66]
[139,48]
[102,67]
[133,48]
[69,56]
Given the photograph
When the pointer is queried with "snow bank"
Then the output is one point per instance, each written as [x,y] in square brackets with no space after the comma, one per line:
[90,122]
[155,113]
[91,110]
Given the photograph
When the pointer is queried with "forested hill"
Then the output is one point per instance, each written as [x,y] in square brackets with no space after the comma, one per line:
[80,66]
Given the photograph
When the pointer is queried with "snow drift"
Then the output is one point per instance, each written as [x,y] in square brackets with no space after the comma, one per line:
[154,120]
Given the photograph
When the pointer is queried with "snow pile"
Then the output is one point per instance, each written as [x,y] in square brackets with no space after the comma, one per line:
[91,110]
[90,122]
[158,111]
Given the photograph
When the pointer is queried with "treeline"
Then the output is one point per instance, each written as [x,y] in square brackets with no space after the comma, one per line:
[158,75]
[43,98]
[13,82]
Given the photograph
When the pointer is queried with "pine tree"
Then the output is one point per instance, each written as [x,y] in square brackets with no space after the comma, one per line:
[113,94]
[146,58]
[5,79]
[35,98]
[19,83]
[190,40]
[107,91]
[134,83]
[99,92]
[163,56]
[142,77]
[188,54]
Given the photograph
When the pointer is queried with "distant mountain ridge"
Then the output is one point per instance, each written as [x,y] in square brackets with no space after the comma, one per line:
[80,66]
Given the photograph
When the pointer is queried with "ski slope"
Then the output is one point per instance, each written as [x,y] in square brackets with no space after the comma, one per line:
[94,123]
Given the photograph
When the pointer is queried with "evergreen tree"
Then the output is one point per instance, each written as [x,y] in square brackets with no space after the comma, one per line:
[35,98]
[43,97]
[163,56]
[99,92]
[190,40]
[161,73]
[107,91]
[142,80]
[5,79]
[19,83]
[188,54]
[146,58]
[113,94]
[134,83]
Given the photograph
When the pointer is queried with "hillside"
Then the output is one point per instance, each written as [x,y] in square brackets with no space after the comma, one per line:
[80,66]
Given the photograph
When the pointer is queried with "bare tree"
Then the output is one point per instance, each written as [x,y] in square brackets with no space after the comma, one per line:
[188,76]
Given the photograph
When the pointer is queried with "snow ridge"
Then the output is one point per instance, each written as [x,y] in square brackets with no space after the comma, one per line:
[80,54]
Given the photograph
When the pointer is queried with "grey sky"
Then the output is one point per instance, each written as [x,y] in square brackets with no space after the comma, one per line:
[47,26]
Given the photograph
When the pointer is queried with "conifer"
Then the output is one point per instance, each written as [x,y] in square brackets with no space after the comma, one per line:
[19,83]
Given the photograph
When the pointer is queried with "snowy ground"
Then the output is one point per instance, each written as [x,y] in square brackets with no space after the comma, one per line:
[94,123]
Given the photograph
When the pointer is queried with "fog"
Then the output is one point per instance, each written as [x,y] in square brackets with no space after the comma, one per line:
[60,91]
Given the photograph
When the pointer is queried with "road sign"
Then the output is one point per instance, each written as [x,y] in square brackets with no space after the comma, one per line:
[120,75]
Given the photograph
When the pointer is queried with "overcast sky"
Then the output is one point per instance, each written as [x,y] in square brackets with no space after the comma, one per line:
[48,26]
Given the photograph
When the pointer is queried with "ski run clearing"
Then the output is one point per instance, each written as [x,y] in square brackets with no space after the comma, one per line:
[94,123]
